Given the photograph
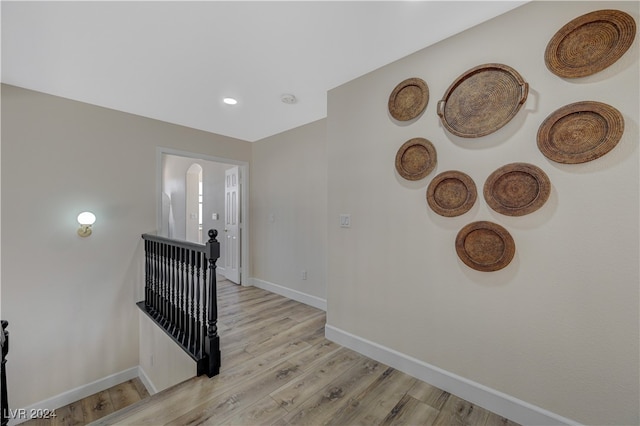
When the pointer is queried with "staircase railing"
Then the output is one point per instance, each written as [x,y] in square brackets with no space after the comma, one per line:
[181,297]
[4,344]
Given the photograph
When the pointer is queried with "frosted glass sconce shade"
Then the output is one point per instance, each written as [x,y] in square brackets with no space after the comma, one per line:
[85,219]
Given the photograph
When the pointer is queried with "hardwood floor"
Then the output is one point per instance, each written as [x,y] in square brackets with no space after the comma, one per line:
[96,406]
[278,369]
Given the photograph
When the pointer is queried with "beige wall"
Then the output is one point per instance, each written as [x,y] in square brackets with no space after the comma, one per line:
[288,210]
[558,328]
[70,300]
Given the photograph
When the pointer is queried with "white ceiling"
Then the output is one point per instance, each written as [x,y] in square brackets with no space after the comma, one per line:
[175,61]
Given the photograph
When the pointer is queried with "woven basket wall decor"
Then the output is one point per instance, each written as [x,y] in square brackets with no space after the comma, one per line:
[482,100]
[517,189]
[485,246]
[580,132]
[416,158]
[451,193]
[590,43]
[408,99]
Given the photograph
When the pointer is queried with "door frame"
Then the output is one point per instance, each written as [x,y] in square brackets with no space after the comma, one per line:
[244,200]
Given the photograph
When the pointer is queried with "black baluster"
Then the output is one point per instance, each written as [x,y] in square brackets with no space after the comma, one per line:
[159,275]
[179,299]
[187,296]
[189,306]
[194,301]
[167,287]
[156,277]
[160,279]
[147,273]
[172,288]
[202,267]
[199,322]
[185,313]
[212,339]
[158,306]
[150,278]
[4,419]
[166,290]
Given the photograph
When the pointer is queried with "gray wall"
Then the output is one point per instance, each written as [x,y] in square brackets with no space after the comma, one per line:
[558,327]
[288,211]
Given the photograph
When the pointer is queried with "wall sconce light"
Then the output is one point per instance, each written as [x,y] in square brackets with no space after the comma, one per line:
[85,219]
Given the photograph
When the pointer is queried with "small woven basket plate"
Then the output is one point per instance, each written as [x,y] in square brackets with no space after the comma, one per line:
[517,189]
[482,100]
[451,193]
[485,246]
[580,132]
[416,158]
[408,99]
[590,43]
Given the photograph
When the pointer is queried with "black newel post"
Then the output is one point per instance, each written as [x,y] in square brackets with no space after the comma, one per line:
[4,339]
[212,340]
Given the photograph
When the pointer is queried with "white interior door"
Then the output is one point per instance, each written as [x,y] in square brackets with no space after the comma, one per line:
[232,225]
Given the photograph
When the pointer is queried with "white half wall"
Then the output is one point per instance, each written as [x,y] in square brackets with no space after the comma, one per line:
[162,361]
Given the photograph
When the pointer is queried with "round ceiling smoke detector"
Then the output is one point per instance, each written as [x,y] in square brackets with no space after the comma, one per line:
[288,98]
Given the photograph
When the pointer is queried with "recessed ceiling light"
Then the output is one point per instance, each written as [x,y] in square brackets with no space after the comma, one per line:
[230,101]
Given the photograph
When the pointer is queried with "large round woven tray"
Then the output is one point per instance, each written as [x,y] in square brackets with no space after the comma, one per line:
[517,189]
[408,99]
[485,246]
[482,100]
[580,132]
[590,43]
[451,193]
[416,158]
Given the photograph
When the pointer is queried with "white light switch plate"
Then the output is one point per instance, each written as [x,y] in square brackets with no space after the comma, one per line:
[345,221]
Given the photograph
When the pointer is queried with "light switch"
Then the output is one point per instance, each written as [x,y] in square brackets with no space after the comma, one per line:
[214,216]
[345,221]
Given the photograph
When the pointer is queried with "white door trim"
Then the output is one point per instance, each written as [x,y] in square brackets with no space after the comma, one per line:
[244,198]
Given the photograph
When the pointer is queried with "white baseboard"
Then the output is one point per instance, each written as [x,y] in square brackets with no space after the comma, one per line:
[502,404]
[296,295]
[73,395]
[146,381]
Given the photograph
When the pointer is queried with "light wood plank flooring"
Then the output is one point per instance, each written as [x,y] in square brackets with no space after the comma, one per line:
[278,369]
[96,406]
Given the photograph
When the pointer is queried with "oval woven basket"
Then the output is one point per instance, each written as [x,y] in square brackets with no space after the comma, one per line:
[416,158]
[482,100]
[580,132]
[485,246]
[590,43]
[408,99]
[517,189]
[451,193]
